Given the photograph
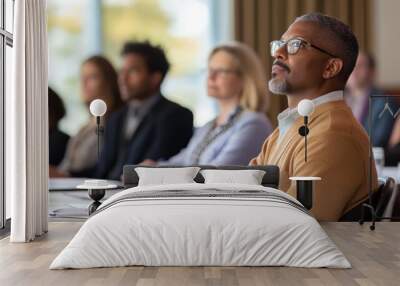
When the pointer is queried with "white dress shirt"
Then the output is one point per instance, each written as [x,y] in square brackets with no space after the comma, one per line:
[137,110]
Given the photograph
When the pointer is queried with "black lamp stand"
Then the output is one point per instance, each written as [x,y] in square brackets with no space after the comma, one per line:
[303,131]
[96,194]
[304,193]
[99,133]
[305,185]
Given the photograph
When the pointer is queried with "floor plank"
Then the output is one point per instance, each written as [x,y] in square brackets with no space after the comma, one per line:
[375,257]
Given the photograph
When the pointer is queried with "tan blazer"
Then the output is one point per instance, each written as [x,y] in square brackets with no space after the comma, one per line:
[337,152]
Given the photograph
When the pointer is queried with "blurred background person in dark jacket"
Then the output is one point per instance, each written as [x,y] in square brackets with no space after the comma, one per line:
[57,139]
[359,88]
[149,125]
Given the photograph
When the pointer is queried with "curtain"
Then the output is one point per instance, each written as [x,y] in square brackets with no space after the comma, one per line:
[27,123]
[258,22]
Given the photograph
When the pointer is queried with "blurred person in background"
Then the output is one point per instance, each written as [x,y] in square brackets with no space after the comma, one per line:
[392,152]
[99,80]
[359,88]
[236,80]
[57,139]
[149,126]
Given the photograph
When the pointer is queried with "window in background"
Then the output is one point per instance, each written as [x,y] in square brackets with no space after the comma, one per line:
[66,52]
[6,43]
[187,30]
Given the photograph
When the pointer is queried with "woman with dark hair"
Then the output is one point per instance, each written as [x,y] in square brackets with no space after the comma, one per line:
[99,80]
[57,139]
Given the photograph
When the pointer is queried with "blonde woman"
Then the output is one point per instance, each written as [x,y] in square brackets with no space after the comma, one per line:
[236,80]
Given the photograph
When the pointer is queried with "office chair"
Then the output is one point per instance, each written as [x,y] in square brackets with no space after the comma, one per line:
[380,200]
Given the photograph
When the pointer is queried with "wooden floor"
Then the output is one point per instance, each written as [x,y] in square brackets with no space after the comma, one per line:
[375,257]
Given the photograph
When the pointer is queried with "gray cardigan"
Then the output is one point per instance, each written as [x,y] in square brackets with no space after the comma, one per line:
[236,146]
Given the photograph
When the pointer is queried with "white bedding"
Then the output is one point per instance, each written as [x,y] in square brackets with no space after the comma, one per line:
[183,231]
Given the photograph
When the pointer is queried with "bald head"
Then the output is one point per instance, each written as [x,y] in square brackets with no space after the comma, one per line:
[338,39]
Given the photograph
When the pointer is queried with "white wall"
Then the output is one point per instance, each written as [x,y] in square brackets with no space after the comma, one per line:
[386,29]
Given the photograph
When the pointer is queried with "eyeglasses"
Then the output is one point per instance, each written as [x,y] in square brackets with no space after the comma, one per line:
[221,72]
[293,46]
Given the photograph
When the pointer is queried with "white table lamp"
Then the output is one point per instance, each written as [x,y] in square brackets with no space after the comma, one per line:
[98,107]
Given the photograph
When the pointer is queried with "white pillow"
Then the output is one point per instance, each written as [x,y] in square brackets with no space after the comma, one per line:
[164,176]
[248,177]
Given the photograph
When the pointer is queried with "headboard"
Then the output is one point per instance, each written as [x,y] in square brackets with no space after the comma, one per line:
[271,178]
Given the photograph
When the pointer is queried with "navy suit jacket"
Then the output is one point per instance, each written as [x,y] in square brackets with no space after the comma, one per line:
[162,133]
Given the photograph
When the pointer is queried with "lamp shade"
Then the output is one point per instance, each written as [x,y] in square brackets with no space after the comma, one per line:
[98,107]
[305,107]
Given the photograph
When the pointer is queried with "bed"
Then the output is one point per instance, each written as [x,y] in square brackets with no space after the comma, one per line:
[201,224]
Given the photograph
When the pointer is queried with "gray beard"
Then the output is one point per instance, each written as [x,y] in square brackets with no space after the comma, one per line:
[278,86]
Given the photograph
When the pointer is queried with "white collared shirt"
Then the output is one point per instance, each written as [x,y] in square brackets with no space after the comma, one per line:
[287,117]
[136,111]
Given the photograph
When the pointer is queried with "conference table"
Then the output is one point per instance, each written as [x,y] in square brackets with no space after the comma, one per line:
[393,172]
[66,201]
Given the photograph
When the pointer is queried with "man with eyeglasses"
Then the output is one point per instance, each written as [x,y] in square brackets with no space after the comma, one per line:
[313,60]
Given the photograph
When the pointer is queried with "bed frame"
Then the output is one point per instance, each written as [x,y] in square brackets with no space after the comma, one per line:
[271,178]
